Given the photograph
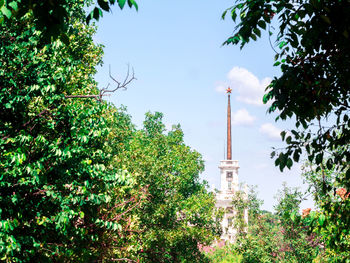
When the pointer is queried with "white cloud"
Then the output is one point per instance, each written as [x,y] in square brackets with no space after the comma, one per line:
[249,88]
[243,118]
[271,131]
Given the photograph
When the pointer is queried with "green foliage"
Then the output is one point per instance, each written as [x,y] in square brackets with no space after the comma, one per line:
[245,203]
[55,162]
[54,18]
[78,182]
[179,213]
[225,254]
[288,200]
[312,51]
[330,220]
[275,237]
[313,54]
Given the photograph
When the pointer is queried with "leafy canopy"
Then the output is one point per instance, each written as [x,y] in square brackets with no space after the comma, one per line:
[54,17]
[78,182]
[179,213]
[313,53]
[55,162]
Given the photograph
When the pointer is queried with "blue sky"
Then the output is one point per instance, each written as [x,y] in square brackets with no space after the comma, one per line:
[175,48]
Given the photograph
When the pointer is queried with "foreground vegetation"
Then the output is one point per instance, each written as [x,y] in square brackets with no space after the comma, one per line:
[286,235]
[311,42]
[79,183]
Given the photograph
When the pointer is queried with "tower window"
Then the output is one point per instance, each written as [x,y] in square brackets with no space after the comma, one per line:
[229,175]
[229,185]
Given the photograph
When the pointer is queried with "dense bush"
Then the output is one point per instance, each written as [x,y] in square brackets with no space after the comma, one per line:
[272,237]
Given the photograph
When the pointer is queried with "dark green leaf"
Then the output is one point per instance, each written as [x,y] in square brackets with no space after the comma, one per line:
[97,13]
[121,3]
[289,163]
[262,24]
[103,4]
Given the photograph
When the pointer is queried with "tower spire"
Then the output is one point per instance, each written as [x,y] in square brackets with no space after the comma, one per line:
[229,143]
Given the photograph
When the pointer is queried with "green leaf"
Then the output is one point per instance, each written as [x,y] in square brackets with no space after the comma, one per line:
[262,24]
[133,3]
[292,216]
[296,156]
[273,154]
[97,13]
[6,12]
[224,14]
[319,158]
[89,17]
[282,44]
[13,5]
[121,3]
[283,135]
[104,5]
[81,214]
[257,32]
[321,219]
[289,140]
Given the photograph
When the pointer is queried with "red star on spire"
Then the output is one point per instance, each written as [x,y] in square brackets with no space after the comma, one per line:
[228,90]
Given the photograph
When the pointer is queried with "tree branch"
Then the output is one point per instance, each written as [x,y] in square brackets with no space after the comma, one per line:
[104,91]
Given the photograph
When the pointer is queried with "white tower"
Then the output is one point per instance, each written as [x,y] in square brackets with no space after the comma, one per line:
[229,183]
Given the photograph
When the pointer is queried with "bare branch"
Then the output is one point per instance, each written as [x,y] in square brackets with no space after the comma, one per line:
[104,91]
[128,79]
[83,96]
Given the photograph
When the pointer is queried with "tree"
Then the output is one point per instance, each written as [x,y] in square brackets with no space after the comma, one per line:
[314,51]
[242,202]
[313,54]
[57,180]
[255,242]
[298,245]
[179,213]
[274,237]
[78,182]
[54,18]
[329,220]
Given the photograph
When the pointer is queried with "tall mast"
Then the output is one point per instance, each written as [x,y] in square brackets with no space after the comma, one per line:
[229,143]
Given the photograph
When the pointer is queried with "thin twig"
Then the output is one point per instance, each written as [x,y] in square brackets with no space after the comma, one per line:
[103,92]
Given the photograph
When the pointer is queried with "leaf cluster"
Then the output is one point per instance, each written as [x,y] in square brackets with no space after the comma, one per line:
[329,220]
[275,237]
[312,49]
[78,182]
[178,213]
[54,18]
[57,181]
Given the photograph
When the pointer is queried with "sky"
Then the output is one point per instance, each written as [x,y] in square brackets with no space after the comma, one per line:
[182,70]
